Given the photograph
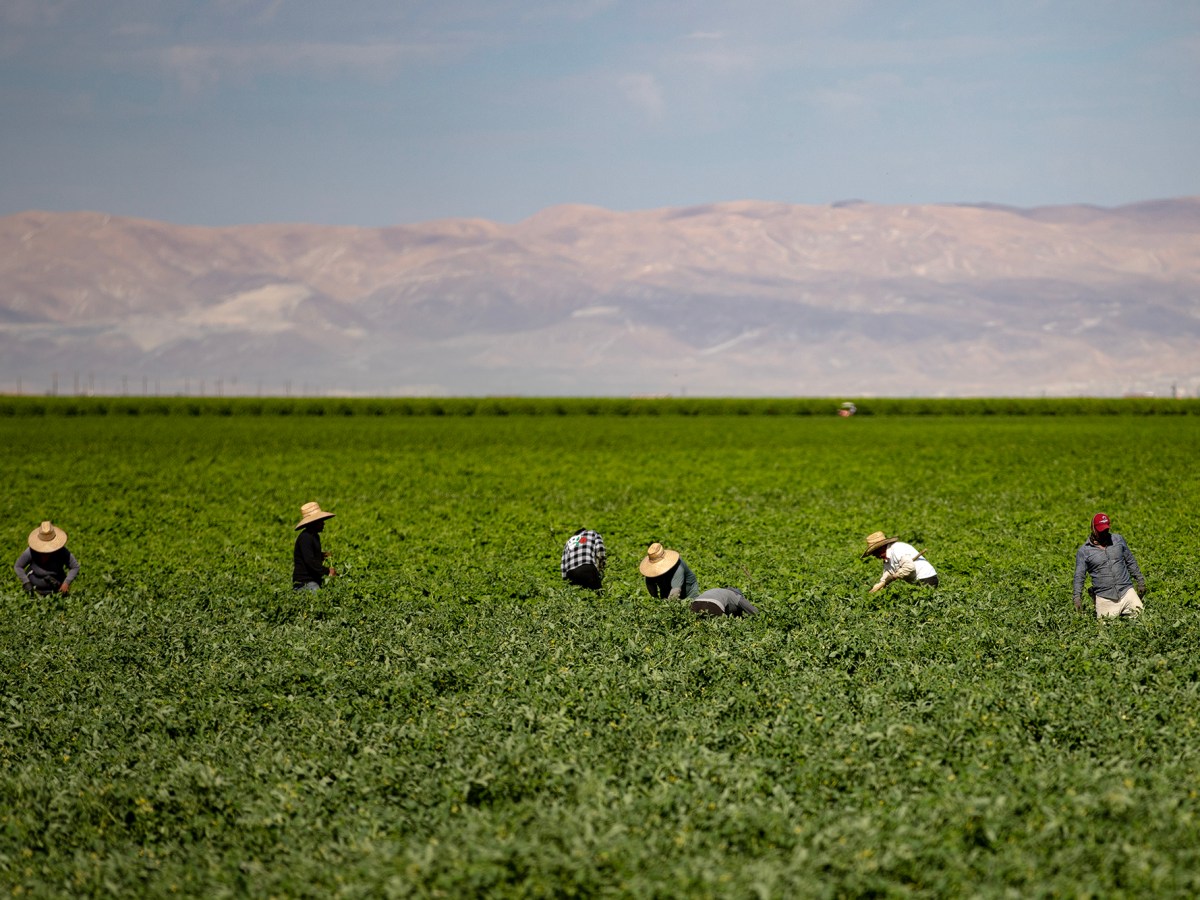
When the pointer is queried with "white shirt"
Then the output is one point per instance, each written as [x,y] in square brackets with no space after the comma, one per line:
[896,559]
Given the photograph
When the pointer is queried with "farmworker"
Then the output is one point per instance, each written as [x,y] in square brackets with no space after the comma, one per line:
[667,575]
[583,559]
[901,562]
[1107,558]
[724,601]
[46,566]
[308,560]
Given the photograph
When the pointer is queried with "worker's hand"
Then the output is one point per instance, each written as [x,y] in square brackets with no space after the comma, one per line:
[878,587]
[29,589]
[674,595]
[1141,589]
[1078,603]
[65,589]
[332,572]
[325,554]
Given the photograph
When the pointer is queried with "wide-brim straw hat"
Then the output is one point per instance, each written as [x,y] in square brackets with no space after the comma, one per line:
[312,512]
[875,540]
[46,538]
[658,560]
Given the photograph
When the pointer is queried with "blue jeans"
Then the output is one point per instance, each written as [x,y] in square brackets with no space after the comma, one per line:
[306,586]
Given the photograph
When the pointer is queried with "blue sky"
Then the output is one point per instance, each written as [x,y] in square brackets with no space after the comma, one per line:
[367,112]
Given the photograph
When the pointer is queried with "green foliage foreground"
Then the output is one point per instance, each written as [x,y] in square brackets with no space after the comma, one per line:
[449,719]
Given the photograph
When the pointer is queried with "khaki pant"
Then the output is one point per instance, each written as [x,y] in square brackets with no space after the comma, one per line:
[1129,606]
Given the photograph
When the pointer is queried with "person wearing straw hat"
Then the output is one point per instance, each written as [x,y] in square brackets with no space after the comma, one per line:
[583,559]
[46,566]
[901,561]
[724,601]
[1107,558]
[308,559]
[667,575]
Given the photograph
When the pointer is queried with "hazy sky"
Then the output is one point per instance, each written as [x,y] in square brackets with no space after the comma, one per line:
[376,112]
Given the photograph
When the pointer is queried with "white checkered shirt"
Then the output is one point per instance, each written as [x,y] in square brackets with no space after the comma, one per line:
[585,547]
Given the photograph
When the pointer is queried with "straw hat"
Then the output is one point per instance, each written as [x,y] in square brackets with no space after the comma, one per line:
[46,538]
[875,540]
[312,512]
[658,560]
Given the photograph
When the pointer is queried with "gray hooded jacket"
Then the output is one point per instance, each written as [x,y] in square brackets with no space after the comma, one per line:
[1113,568]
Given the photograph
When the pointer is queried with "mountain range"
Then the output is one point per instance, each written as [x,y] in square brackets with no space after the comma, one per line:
[739,298]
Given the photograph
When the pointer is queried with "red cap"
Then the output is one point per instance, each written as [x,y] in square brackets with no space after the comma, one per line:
[1099,522]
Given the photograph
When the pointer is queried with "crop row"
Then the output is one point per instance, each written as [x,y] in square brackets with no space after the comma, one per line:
[448,718]
[592,406]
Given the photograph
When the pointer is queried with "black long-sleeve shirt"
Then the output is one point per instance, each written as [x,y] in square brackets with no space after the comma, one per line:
[307,560]
[47,572]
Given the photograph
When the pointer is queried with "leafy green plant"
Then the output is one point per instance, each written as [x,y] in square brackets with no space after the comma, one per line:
[449,718]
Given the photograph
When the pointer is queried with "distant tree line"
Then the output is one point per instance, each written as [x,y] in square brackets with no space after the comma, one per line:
[593,406]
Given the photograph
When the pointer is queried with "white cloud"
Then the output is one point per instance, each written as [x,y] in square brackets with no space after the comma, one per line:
[32,13]
[137,30]
[645,93]
[200,66]
[259,12]
[838,99]
[718,58]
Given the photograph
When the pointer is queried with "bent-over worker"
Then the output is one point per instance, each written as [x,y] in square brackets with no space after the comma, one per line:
[724,601]
[46,566]
[583,559]
[667,575]
[901,562]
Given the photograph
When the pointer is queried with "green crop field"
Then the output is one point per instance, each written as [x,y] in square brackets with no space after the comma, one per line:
[447,718]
